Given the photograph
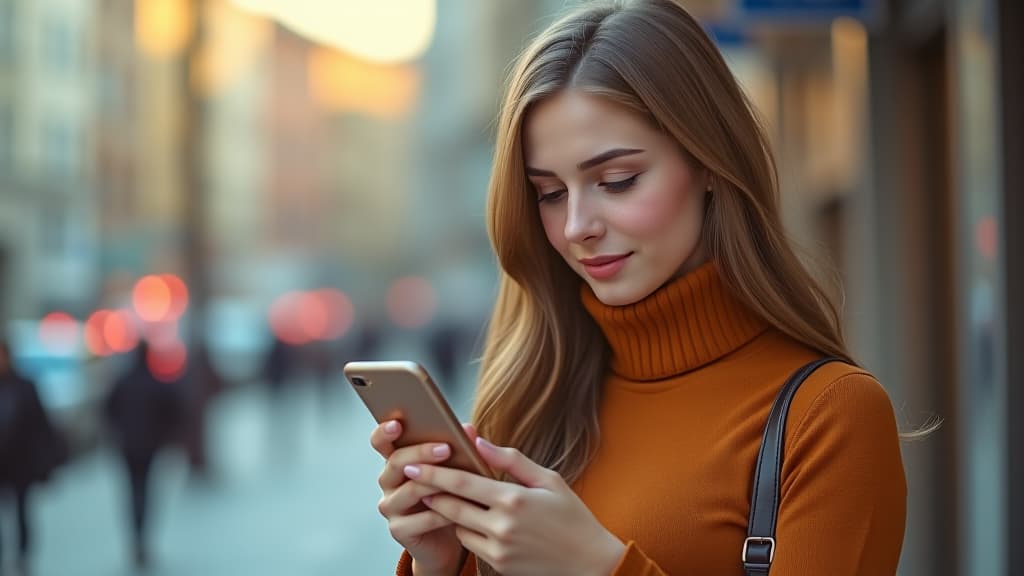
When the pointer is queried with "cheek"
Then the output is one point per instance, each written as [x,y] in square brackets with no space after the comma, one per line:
[662,211]
[554,228]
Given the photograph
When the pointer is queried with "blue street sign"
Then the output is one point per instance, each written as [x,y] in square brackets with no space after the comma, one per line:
[803,10]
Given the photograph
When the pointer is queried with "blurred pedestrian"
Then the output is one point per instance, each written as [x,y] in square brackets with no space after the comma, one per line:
[278,367]
[144,415]
[30,447]
[204,385]
[446,348]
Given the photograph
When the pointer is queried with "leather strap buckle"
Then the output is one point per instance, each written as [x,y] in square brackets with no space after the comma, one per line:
[759,540]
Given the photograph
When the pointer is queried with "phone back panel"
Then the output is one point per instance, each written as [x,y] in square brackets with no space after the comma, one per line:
[405,392]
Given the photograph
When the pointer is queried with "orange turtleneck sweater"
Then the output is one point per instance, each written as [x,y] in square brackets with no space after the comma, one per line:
[693,376]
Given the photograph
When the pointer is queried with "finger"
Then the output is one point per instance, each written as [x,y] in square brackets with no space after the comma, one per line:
[405,528]
[464,484]
[477,543]
[461,512]
[401,500]
[470,431]
[384,435]
[517,465]
[393,475]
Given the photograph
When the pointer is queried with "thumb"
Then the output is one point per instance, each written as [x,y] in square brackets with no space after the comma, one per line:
[514,463]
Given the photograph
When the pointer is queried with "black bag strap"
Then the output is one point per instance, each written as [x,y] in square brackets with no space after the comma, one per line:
[759,547]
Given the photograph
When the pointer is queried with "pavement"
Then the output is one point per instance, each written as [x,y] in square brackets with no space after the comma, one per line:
[293,493]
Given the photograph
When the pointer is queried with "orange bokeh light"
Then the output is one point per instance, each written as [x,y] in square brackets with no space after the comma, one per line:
[59,332]
[151,298]
[95,342]
[411,302]
[119,333]
[179,296]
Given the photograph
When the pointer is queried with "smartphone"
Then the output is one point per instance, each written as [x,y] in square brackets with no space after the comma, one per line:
[404,391]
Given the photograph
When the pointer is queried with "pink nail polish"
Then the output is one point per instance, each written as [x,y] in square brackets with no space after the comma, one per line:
[481,443]
[412,471]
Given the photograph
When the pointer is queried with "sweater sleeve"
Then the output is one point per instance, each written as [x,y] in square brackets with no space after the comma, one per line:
[843,500]
[405,566]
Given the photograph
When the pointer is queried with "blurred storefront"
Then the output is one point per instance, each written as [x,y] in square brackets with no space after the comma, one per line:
[900,156]
[942,268]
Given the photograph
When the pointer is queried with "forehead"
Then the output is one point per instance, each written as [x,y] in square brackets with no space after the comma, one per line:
[572,126]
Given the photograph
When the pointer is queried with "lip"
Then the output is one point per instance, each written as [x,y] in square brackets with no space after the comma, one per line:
[604,267]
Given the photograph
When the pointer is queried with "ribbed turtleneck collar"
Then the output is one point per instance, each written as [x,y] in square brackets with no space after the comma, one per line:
[689,322]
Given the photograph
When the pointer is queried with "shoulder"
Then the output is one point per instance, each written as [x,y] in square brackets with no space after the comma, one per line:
[839,396]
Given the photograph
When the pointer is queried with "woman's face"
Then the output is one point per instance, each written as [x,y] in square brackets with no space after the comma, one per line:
[617,197]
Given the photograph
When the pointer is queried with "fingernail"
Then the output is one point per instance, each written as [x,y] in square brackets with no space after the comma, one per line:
[412,471]
[441,450]
[427,500]
[481,443]
[391,427]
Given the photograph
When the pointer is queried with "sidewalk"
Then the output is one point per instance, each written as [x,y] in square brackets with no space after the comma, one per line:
[301,505]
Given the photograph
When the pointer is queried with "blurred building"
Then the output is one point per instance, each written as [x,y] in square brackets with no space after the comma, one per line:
[898,133]
[48,237]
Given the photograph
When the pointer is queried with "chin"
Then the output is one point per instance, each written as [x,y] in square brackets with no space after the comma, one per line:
[619,294]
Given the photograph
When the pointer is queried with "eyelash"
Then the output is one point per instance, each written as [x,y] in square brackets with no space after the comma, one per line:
[614,187]
[620,185]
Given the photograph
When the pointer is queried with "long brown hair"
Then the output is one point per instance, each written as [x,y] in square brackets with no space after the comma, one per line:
[544,358]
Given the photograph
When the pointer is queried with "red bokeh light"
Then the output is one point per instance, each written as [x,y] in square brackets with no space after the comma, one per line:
[167,361]
[340,312]
[312,316]
[411,302]
[303,317]
[986,237]
[284,318]
[59,332]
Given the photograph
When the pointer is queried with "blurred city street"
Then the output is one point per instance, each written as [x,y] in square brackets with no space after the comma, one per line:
[212,205]
[293,492]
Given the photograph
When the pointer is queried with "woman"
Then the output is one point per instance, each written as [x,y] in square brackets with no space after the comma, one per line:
[650,309]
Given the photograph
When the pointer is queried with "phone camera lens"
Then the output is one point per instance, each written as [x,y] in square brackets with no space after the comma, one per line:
[359,381]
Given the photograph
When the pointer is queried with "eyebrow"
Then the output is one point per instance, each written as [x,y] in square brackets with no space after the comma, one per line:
[589,163]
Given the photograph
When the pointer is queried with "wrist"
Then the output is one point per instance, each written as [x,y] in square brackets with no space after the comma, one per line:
[419,570]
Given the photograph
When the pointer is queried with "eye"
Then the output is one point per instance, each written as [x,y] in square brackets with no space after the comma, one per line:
[620,185]
[550,196]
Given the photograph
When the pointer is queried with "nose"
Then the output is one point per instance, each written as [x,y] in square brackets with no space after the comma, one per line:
[583,220]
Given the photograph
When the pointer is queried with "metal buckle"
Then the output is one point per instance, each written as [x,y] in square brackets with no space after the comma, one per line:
[760,540]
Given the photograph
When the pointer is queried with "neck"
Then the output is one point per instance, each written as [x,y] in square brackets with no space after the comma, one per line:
[689,322]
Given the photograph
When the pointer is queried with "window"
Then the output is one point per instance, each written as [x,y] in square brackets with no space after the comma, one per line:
[60,152]
[6,138]
[59,46]
[6,32]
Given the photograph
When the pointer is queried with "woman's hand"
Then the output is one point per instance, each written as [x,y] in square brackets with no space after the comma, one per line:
[428,536]
[538,527]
